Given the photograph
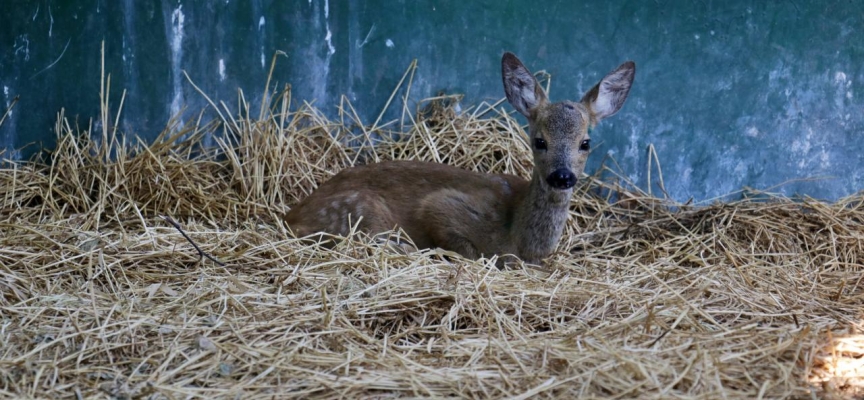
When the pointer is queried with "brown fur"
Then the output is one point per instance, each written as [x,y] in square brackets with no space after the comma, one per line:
[470,213]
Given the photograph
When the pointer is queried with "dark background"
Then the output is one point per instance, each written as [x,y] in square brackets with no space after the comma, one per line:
[730,93]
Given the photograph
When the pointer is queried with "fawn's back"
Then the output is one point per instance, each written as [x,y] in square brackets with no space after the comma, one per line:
[467,212]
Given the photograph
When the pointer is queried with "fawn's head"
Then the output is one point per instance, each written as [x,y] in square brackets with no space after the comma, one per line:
[559,131]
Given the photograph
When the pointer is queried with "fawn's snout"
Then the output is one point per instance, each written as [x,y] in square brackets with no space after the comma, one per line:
[562,179]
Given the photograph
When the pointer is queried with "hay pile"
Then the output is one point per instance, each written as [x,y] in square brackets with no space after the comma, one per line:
[103,297]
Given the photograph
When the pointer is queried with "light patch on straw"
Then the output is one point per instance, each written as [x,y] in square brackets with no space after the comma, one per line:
[841,364]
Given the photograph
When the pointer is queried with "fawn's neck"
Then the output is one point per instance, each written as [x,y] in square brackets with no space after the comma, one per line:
[539,220]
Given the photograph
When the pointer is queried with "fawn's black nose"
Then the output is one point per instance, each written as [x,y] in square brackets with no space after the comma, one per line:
[562,179]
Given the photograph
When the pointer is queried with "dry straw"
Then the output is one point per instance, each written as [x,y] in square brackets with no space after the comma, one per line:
[103,297]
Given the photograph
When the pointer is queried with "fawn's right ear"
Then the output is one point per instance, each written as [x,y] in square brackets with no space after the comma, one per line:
[523,90]
[607,97]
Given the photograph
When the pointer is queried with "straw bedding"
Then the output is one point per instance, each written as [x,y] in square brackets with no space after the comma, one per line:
[103,297]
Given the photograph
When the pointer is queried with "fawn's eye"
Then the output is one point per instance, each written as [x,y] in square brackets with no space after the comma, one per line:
[585,145]
[539,144]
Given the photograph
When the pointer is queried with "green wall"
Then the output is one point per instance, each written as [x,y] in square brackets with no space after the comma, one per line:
[730,93]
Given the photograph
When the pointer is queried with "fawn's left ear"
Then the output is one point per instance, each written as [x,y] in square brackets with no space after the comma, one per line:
[607,97]
[523,90]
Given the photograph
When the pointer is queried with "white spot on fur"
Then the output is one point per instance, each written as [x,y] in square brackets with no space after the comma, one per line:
[221,69]
[752,132]
[389,43]
[505,186]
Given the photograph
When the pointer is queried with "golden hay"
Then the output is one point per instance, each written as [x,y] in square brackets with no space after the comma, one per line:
[104,298]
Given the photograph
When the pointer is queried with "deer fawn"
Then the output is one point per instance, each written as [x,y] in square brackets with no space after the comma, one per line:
[471,213]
